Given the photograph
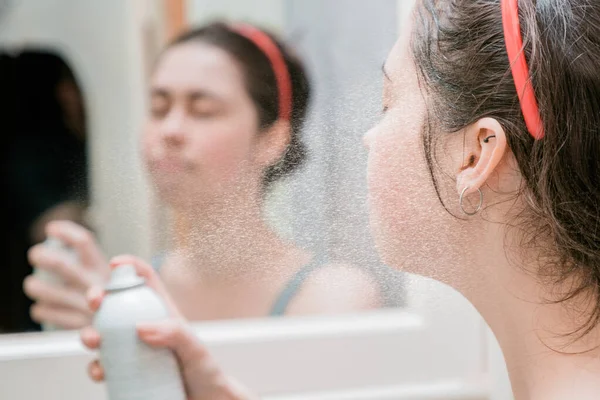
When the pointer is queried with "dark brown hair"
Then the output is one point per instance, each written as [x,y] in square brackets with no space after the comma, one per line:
[262,87]
[459,50]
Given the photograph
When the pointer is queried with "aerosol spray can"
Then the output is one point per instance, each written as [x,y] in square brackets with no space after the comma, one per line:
[50,277]
[132,369]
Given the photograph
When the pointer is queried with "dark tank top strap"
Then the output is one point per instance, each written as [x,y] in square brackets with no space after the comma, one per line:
[157,261]
[294,285]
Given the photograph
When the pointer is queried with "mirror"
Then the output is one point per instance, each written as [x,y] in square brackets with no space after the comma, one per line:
[176,154]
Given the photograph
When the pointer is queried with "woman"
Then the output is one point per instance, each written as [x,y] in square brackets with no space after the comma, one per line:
[226,107]
[484,174]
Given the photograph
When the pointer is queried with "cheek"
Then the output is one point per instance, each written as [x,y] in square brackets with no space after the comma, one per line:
[149,143]
[221,149]
[394,189]
[412,230]
[228,142]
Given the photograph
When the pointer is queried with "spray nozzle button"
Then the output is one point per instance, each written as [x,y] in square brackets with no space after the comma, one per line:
[124,277]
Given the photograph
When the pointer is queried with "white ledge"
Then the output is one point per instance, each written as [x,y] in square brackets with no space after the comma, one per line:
[215,334]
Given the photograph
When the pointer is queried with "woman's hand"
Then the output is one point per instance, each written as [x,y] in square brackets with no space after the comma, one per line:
[64,304]
[202,377]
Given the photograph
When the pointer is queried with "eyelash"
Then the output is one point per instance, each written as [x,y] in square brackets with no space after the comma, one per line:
[203,114]
[158,112]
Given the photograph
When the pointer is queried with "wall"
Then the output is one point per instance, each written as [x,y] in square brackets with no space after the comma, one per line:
[268,13]
[344,48]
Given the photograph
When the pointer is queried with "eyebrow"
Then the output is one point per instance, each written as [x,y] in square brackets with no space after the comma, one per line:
[385,73]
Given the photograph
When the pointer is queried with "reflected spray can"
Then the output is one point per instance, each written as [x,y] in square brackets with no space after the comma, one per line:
[51,277]
[132,369]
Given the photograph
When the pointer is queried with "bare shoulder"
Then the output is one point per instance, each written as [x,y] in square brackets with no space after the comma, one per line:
[337,288]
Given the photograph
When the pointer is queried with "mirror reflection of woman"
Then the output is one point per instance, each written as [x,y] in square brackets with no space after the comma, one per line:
[227,105]
[483,174]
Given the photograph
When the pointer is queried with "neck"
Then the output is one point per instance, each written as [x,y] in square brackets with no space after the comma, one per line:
[225,241]
[544,362]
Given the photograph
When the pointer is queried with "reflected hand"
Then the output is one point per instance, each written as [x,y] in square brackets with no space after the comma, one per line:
[202,377]
[65,305]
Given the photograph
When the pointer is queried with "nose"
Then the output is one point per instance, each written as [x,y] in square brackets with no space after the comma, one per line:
[173,131]
[368,138]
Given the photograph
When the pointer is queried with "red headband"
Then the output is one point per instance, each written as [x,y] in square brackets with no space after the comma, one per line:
[520,71]
[282,74]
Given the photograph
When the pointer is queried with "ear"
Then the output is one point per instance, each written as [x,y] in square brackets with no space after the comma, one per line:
[272,143]
[484,148]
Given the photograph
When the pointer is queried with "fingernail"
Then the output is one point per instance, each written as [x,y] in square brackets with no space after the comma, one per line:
[144,327]
[94,292]
[149,327]
[114,262]
[94,297]
[78,237]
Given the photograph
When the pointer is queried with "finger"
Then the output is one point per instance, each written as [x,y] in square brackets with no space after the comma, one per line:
[35,252]
[90,338]
[60,263]
[146,271]
[48,293]
[78,238]
[176,336]
[95,371]
[94,298]
[63,318]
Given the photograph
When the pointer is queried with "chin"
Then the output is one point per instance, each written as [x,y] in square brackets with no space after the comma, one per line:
[170,191]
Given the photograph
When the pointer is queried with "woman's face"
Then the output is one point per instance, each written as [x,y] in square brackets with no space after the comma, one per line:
[199,137]
[412,230]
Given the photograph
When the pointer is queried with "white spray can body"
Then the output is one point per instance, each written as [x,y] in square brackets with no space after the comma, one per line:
[51,277]
[132,369]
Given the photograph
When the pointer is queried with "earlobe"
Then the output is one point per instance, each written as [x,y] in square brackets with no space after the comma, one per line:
[273,143]
[485,148]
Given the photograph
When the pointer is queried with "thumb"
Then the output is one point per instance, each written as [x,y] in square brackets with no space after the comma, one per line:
[177,336]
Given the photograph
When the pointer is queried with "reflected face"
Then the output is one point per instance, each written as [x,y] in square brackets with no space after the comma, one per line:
[411,228]
[199,136]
